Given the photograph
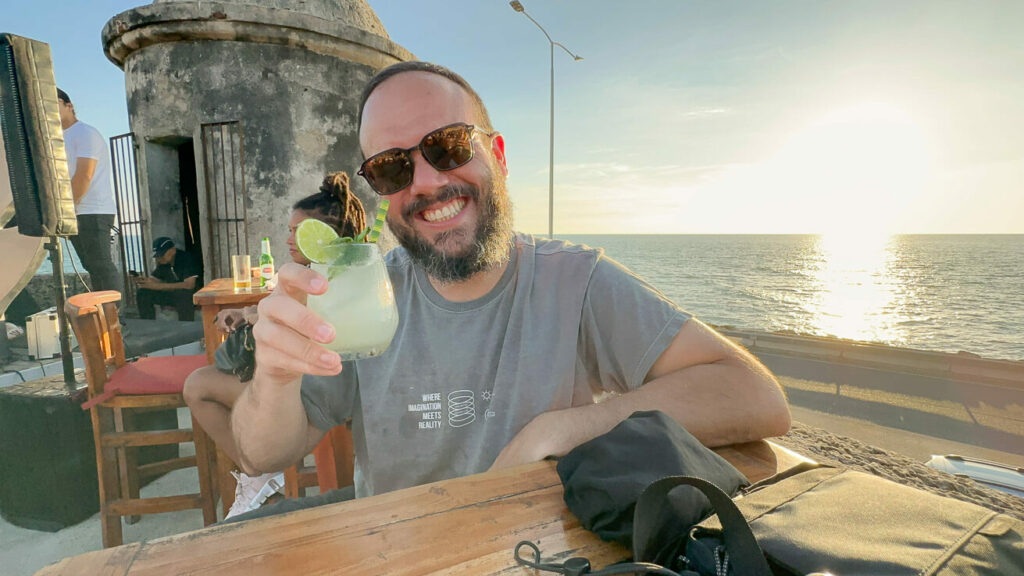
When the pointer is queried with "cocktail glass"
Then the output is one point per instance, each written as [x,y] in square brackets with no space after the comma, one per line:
[359,302]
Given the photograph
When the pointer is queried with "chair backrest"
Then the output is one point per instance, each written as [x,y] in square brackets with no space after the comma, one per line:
[93,317]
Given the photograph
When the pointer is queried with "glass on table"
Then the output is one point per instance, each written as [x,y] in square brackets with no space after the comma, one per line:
[240,275]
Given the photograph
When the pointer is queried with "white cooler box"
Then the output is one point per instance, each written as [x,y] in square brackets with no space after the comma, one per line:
[43,332]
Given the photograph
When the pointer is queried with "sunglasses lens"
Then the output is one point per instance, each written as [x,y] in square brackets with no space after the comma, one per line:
[388,172]
[445,149]
[448,148]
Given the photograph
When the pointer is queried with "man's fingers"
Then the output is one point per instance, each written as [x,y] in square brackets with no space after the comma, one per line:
[281,350]
[289,313]
[288,335]
[297,281]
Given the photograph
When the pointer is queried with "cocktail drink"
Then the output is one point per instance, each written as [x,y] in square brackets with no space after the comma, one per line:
[359,302]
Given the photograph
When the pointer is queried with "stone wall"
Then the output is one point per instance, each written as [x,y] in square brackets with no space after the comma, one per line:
[40,294]
[963,367]
[290,74]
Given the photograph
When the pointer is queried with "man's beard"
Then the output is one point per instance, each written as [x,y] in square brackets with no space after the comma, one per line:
[490,245]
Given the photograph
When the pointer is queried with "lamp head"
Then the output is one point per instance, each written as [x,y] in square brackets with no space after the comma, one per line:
[517,6]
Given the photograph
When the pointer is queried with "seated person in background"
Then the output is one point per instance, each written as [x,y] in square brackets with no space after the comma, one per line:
[543,344]
[210,392]
[176,278]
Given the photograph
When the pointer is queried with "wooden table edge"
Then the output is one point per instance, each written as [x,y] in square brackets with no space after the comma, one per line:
[530,477]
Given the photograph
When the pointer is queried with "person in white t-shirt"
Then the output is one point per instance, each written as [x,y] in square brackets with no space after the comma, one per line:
[91,184]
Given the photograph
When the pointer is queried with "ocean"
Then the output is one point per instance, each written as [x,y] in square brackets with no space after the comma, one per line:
[945,293]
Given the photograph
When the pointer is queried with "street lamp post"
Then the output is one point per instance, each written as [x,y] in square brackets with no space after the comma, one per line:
[518,7]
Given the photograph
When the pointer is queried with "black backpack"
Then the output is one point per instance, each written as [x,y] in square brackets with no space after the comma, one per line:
[809,519]
[815,519]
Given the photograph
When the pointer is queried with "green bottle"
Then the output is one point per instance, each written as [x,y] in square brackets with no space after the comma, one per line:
[266,263]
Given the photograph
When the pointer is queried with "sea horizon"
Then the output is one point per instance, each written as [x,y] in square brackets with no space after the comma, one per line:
[935,292]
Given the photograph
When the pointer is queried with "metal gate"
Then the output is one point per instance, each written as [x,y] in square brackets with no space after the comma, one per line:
[223,170]
[130,224]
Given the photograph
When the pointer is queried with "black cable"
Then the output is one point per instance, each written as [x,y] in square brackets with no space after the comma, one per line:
[536,564]
[579,566]
[73,265]
[15,372]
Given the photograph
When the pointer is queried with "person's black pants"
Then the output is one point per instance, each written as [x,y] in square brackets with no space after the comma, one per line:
[93,247]
[181,300]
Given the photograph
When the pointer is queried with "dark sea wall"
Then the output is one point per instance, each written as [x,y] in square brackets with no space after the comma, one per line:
[41,293]
[963,366]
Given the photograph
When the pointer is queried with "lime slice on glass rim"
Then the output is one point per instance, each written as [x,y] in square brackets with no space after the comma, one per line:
[316,240]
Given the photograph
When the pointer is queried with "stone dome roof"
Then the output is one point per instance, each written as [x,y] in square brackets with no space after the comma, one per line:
[355,13]
[347,29]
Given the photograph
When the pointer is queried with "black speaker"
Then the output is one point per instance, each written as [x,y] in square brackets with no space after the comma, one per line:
[37,163]
[47,456]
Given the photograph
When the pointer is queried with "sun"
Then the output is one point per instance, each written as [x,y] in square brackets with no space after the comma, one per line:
[858,169]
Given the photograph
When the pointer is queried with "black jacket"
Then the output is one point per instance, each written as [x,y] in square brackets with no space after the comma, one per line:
[183,266]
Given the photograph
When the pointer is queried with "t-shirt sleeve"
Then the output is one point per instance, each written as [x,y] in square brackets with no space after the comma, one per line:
[92,146]
[329,400]
[625,326]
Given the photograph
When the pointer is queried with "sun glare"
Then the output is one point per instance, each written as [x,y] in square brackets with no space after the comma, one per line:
[855,290]
[860,168]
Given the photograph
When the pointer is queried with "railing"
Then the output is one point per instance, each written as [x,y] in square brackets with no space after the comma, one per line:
[224,174]
[130,223]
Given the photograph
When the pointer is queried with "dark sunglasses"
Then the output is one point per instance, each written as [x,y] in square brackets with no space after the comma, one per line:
[445,149]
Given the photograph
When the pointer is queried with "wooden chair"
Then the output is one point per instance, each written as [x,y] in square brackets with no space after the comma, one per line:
[116,389]
[335,462]
[334,465]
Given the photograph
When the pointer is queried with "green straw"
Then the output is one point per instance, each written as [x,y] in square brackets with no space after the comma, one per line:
[378,223]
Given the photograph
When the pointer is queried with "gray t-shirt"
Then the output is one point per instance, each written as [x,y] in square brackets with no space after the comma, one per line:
[460,379]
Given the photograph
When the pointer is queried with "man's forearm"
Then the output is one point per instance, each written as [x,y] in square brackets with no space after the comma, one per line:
[79,186]
[270,426]
[721,403]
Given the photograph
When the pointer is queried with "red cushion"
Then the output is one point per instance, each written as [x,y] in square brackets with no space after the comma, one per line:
[155,374]
[150,375]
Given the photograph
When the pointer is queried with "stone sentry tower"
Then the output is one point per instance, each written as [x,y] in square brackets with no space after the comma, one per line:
[238,108]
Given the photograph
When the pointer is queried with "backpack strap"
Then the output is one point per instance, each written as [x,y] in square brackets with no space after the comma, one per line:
[652,507]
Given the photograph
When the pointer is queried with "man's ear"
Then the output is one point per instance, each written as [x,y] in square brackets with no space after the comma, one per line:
[498,151]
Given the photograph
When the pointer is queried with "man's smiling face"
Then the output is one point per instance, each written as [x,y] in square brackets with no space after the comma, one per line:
[456,222]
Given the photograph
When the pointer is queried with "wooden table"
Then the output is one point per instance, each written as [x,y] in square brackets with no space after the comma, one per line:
[218,295]
[467,525]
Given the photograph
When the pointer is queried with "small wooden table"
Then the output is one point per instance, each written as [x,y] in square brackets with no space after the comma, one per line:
[466,525]
[219,295]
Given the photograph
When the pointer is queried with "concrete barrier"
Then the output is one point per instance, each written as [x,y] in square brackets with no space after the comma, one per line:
[963,366]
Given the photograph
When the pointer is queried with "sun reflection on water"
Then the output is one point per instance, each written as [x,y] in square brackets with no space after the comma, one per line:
[856,293]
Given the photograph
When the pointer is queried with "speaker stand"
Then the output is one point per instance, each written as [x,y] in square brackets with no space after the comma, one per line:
[68,362]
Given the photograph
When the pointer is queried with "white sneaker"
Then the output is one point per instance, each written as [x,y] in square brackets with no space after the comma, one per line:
[252,491]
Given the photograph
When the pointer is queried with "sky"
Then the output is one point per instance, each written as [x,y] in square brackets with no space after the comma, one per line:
[857,118]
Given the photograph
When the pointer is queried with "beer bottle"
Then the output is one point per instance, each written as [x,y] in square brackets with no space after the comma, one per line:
[266,263]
